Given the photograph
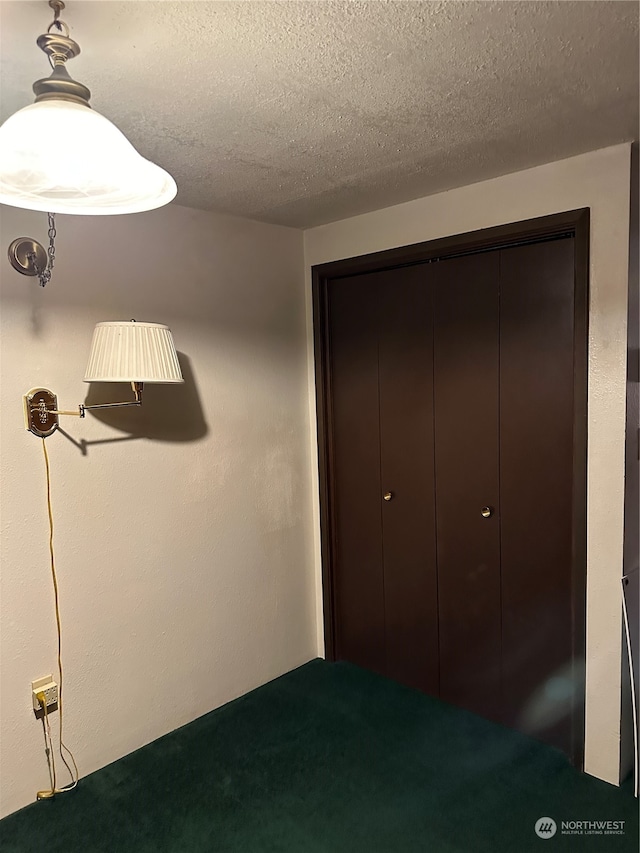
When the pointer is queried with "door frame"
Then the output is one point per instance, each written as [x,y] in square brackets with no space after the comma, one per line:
[573,223]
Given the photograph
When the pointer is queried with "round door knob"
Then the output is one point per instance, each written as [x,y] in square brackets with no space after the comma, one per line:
[486,511]
[387,496]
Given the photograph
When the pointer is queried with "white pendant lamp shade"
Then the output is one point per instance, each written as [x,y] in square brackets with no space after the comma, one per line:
[62,157]
[133,352]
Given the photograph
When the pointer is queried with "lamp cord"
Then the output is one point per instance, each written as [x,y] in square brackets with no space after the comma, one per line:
[73,773]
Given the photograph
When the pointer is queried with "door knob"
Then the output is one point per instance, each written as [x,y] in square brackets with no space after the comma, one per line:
[486,511]
[387,496]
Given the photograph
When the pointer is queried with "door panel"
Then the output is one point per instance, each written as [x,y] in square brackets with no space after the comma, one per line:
[408,519]
[467,479]
[536,448]
[355,467]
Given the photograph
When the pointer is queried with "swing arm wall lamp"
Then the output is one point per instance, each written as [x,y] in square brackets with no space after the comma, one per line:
[120,352]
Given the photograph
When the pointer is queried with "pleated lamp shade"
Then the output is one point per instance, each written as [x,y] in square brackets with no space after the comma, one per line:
[133,352]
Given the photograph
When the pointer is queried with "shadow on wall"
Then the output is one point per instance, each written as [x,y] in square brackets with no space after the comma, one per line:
[168,412]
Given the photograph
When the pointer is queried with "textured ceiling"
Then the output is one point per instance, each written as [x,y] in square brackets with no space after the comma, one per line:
[305,112]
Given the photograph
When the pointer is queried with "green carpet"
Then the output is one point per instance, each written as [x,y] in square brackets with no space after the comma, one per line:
[328,758]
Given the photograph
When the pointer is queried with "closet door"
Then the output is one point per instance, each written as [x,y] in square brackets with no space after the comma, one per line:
[466,347]
[407,465]
[386,601]
[536,481]
[451,399]
[355,468]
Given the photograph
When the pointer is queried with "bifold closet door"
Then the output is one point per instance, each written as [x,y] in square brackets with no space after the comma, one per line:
[405,359]
[383,507]
[466,367]
[539,625]
[355,468]
[451,403]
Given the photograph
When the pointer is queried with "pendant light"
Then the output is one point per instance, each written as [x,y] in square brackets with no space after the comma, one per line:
[58,155]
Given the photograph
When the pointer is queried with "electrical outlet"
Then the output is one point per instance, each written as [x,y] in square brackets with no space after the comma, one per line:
[47,686]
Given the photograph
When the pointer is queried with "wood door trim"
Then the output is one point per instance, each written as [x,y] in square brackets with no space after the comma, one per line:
[580,416]
[572,223]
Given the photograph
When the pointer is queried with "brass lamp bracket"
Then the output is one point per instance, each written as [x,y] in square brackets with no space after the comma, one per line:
[41,412]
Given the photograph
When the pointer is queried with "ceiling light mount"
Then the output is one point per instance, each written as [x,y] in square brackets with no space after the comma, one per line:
[60,49]
[57,6]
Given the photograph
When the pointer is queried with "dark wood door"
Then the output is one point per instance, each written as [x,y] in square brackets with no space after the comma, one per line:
[405,359]
[382,411]
[452,392]
[467,480]
[355,448]
[541,674]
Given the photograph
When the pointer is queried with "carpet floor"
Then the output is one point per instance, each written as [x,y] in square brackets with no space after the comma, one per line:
[326,759]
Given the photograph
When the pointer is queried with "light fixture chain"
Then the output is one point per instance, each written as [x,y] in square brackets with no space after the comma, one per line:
[44,276]
[52,241]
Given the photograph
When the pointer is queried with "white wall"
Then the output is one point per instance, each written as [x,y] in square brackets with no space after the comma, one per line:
[599,180]
[184,554]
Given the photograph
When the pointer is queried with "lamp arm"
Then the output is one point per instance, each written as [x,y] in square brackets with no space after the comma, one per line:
[137,390]
[42,409]
[77,414]
[83,409]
